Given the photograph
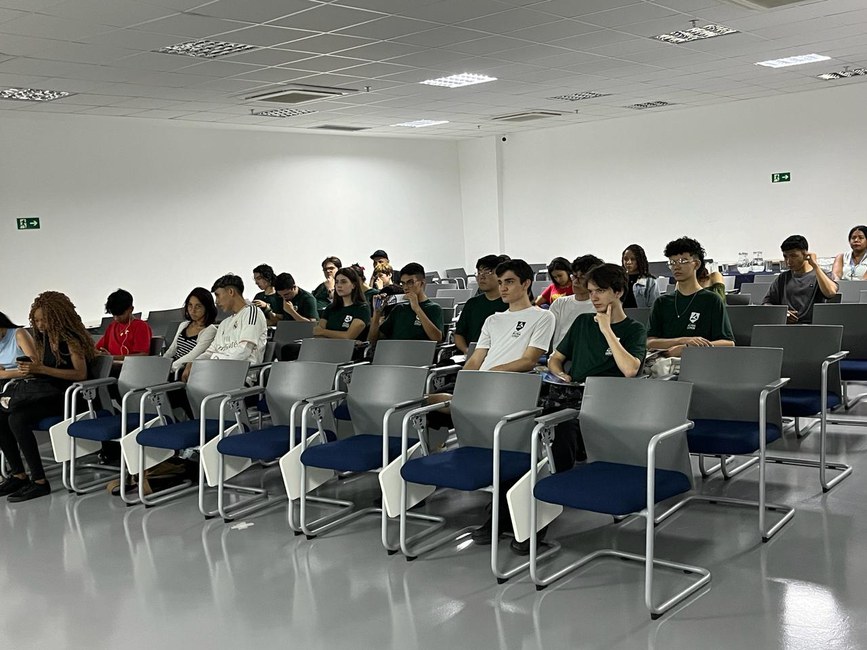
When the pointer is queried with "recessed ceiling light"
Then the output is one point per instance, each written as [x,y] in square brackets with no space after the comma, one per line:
[794,60]
[459,80]
[282,112]
[206,49]
[577,97]
[32,94]
[695,34]
[642,106]
[845,73]
[417,124]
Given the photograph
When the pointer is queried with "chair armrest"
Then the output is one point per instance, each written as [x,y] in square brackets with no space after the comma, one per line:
[836,357]
[775,386]
[557,417]
[406,404]
[165,388]
[520,415]
[445,370]
[325,398]
[259,366]
[95,383]
[651,463]
[245,392]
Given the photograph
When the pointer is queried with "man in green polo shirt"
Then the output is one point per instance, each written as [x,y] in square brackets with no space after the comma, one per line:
[477,309]
[691,316]
[298,304]
[418,319]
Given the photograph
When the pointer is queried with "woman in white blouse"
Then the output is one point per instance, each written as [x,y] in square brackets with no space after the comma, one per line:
[196,332]
[853,265]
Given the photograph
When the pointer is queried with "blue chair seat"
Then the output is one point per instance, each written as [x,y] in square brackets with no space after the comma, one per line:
[608,488]
[853,369]
[465,468]
[106,427]
[359,453]
[727,436]
[341,412]
[46,423]
[264,444]
[799,402]
[180,435]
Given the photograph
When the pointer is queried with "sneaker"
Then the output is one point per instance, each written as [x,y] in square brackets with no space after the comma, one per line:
[12,484]
[523,548]
[32,490]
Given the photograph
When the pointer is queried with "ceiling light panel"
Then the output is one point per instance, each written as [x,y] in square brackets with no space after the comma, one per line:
[843,74]
[695,34]
[282,112]
[800,59]
[644,105]
[32,94]
[206,49]
[577,97]
[418,124]
[459,80]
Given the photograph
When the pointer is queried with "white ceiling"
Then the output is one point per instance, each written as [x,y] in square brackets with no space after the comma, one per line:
[102,50]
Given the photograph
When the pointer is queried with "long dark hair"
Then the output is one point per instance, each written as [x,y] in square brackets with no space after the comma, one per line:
[640,260]
[63,326]
[204,296]
[357,291]
[7,324]
[558,264]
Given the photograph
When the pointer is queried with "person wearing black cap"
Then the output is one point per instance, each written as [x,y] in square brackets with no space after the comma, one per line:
[379,256]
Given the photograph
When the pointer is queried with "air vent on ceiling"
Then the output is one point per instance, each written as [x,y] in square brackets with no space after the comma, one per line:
[577,97]
[527,116]
[765,4]
[339,127]
[646,105]
[282,112]
[298,93]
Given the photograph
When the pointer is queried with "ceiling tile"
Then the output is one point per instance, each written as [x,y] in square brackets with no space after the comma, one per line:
[389,27]
[629,15]
[439,37]
[260,11]
[509,21]
[117,13]
[326,18]
[329,43]
[268,56]
[51,27]
[187,26]
[552,31]
[265,35]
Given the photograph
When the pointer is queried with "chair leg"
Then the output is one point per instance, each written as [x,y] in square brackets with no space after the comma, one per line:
[70,472]
[169,494]
[259,500]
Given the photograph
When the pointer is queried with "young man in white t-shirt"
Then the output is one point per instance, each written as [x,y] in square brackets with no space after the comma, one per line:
[567,308]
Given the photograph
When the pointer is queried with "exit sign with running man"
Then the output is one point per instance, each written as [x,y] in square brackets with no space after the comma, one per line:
[28,223]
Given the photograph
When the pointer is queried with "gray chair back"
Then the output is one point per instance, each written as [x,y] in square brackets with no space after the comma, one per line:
[755,291]
[853,318]
[482,398]
[538,267]
[743,317]
[619,416]
[863,298]
[170,330]
[209,376]
[539,286]
[670,289]
[326,350]
[404,353]
[459,295]
[443,301]
[375,389]
[158,320]
[804,349]
[850,291]
[456,273]
[641,314]
[292,381]
[270,350]
[157,345]
[100,368]
[726,382]
[764,278]
[737,299]
[289,331]
[140,372]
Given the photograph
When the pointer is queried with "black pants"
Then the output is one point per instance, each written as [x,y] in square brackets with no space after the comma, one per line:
[17,438]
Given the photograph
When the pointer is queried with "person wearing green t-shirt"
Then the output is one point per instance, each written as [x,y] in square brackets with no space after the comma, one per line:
[348,315]
[298,304]
[419,319]
[324,292]
[267,299]
[691,316]
[477,309]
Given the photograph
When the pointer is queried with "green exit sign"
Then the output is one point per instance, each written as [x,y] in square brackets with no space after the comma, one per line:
[782,177]
[28,223]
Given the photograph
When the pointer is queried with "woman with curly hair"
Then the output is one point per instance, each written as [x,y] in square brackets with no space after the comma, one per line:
[63,347]
[643,290]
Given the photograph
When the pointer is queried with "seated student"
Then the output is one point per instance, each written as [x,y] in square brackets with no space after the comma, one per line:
[267,299]
[477,309]
[348,315]
[712,281]
[14,342]
[803,285]
[418,319]
[369,292]
[691,316]
[643,290]
[383,276]
[298,304]
[242,335]
[125,335]
[558,270]
[196,333]
[567,308]
[852,264]
[324,292]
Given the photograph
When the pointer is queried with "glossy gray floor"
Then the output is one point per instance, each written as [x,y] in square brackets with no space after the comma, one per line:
[86,572]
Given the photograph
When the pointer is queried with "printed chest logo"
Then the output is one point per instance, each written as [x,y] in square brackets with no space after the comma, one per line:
[693,319]
[609,353]
[518,327]
[347,321]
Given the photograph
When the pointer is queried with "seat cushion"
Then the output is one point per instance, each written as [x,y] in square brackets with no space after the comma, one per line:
[46,423]
[609,488]
[180,435]
[466,468]
[798,402]
[360,453]
[103,428]
[727,436]
[264,444]
[853,369]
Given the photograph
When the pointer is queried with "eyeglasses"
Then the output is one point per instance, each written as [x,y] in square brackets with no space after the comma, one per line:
[484,274]
[408,283]
[681,262]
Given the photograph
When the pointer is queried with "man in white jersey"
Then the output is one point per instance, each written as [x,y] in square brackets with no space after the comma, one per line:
[242,335]
[567,308]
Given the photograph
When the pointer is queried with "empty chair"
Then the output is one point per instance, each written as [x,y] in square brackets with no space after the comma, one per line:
[444,301]
[850,291]
[737,299]
[326,350]
[159,320]
[729,281]
[744,317]
[538,267]
[764,278]
[289,332]
[459,295]
[811,362]
[853,318]
[756,292]
[659,269]
[458,274]
[640,314]
[636,457]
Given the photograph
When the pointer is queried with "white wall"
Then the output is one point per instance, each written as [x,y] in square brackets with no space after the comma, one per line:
[157,207]
[481,198]
[705,172]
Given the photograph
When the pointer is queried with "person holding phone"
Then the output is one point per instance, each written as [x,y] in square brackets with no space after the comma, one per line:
[803,285]
[267,299]
[417,319]
[126,335]
[15,342]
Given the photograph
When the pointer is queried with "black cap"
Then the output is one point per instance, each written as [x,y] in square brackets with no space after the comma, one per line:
[379,253]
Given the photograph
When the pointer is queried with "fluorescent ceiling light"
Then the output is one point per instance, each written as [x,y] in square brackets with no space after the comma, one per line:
[206,49]
[577,97]
[794,60]
[459,80]
[695,34]
[32,94]
[642,106]
[282,112]
[843,74]
[417,124]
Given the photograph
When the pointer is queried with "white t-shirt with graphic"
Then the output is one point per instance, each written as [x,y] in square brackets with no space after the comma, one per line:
[566,309]
[507,335]
[234,334]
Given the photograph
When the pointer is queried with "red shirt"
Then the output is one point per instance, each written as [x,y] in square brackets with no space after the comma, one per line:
[133,337]
[552,292]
